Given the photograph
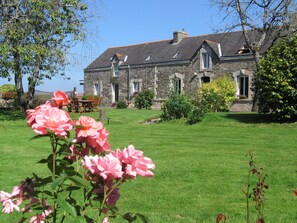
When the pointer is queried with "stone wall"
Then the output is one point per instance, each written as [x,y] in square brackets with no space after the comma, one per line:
[159,78]
[6,104]
[241,106]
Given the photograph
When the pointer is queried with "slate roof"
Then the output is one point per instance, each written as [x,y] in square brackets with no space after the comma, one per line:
[164,51]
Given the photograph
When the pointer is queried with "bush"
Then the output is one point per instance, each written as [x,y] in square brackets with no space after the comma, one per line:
[122,105]
[196,114]
[276,81]
[144,99]
[7,88]
[217,94]
[9,95]
[176,106]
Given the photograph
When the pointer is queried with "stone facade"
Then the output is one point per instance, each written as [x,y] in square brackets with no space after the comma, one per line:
[121,81]
[159,79]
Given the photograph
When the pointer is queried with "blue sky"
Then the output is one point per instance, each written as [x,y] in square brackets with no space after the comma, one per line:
[126,22]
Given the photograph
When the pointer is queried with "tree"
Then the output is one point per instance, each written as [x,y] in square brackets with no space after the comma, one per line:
[271,18]
[277,80]
[35,44]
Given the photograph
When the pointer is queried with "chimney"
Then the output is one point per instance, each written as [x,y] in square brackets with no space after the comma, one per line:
[179,35]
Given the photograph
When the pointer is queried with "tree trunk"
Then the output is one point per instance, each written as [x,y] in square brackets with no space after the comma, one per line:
[18,79]
[32,81]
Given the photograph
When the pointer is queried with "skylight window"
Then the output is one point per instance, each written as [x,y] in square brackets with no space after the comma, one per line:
[148,59]
[175,55]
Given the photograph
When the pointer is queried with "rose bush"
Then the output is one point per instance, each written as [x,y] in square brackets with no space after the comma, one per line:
[83,166]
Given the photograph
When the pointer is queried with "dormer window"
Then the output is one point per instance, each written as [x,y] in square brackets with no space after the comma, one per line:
[205,61]
[115,68]
[245,49]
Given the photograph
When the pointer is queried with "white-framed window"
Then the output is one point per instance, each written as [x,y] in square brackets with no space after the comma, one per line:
[176,85]
[243,84]
[97,89]
[136,87]
[205,60]
[115,66]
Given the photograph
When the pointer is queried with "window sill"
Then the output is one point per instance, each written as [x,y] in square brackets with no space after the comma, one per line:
[206,69]
[242,97]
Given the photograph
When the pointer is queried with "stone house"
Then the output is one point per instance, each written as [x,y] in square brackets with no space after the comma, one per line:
[181,64]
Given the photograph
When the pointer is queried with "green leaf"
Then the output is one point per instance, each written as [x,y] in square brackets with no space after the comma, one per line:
[38,136]
[79,181]
[66,206]
[56,182]
[42,161]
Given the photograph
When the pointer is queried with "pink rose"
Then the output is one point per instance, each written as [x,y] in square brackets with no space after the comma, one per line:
[10,201]
[93,134]
[52,119]
[31,113]
[60,98]
[108,167]
[9,205]
[134,162]
[87,127]
[100,143]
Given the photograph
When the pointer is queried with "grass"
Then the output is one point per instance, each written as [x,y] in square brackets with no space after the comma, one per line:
[200,169]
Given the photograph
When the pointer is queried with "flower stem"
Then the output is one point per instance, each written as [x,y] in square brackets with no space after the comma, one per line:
[54,142]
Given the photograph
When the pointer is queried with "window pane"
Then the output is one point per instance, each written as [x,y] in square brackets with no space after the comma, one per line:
[241,85]
[116,69]
[177,86]
[97,89]
[205,58]
[246,86]
[136,87]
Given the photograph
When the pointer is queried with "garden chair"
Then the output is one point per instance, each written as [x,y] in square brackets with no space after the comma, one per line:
[95,103]
[75,105]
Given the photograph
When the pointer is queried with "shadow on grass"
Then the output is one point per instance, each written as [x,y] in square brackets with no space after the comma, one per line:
[251,118]
[11,115]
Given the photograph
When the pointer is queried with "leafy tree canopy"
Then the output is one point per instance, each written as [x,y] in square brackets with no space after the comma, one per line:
[277,80]
[36,39]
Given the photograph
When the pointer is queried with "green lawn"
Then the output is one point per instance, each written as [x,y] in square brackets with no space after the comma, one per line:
[200,169]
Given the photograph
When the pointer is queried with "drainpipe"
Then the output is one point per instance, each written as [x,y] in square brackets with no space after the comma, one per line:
[129,97]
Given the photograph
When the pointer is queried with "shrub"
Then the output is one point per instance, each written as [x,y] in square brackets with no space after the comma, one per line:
[217,94]
[196,114]
[7,88]
[176,106]
[276,80]
[122,105]
[144,99]
[9,95]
